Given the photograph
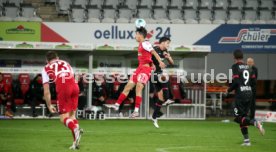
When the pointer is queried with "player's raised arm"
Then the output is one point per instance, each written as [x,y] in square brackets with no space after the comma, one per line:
[161,64]
[169,58]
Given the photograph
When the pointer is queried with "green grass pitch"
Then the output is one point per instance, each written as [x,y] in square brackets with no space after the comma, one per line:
[133,136]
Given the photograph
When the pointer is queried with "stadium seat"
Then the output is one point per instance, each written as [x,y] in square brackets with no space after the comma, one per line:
[176,91]
[220,15]
[177,3]
[175,15]
[83,3]
[251,3]
[147,3]
[190,15]
[63,6]
[28,13]
[205,15]
[207,3]
[145,13]
[16,2]
[234,16]
[109,14]
[77,14]
[160,15]
[265,16]
[236,3]
[99,3]
[93,14]
[222,3]
[24,82]
[10,12]
[250,15]
[273,21]
[161,3]
[267,3]
[113,3]
[191,3]
[125,14]
[2,2]
[132,4]
[7,78]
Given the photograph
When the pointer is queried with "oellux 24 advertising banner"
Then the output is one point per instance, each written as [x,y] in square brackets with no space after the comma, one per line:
[221,37]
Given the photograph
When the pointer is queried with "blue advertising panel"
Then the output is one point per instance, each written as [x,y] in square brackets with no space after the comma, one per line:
[249,38]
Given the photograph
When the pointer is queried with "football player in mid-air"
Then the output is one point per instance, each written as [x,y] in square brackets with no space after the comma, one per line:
[142,74]
[160,82]
[61,73]
[242,81]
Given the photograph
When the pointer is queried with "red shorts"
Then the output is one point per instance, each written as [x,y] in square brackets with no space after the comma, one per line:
[141,74]
[67,98]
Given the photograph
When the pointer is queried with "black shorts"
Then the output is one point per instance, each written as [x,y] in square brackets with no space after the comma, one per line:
[152,88]
[157,82]
[241,107]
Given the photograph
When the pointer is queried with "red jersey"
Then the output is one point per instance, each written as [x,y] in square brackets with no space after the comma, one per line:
[144,53]
[58,71]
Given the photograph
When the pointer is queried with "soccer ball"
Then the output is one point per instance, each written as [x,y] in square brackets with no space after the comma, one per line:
[140,23]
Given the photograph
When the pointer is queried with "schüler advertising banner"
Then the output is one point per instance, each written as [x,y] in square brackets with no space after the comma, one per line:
[253,38]
[20,31]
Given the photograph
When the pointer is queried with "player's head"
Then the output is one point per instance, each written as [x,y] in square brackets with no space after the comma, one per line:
[51,55]
[141,34]
[39,78]
[250,61]
[238,55]
[164,43]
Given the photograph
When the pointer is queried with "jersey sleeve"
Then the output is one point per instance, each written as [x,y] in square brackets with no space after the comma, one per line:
[45,77]
[235,78]
[147,46]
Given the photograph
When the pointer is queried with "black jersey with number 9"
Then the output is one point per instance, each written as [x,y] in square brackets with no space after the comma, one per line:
[242,80]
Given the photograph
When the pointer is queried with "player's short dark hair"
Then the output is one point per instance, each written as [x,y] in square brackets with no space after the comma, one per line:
[238,54]
[164,39]
[51,55]
[142,31]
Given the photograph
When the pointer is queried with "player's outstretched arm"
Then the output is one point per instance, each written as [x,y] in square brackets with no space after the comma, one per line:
[169,58]
[47,98]
[161,64]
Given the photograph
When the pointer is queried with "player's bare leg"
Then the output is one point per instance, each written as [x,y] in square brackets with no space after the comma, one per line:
[138,99]
[130,85]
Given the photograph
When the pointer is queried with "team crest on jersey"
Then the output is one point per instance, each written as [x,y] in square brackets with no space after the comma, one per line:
[248,35]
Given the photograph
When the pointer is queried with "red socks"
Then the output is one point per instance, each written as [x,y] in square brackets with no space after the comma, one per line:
[76,122]
[138,101]
[121,98]
[69,123]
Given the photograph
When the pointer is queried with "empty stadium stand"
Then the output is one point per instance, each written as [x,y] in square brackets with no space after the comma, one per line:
[153,11]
